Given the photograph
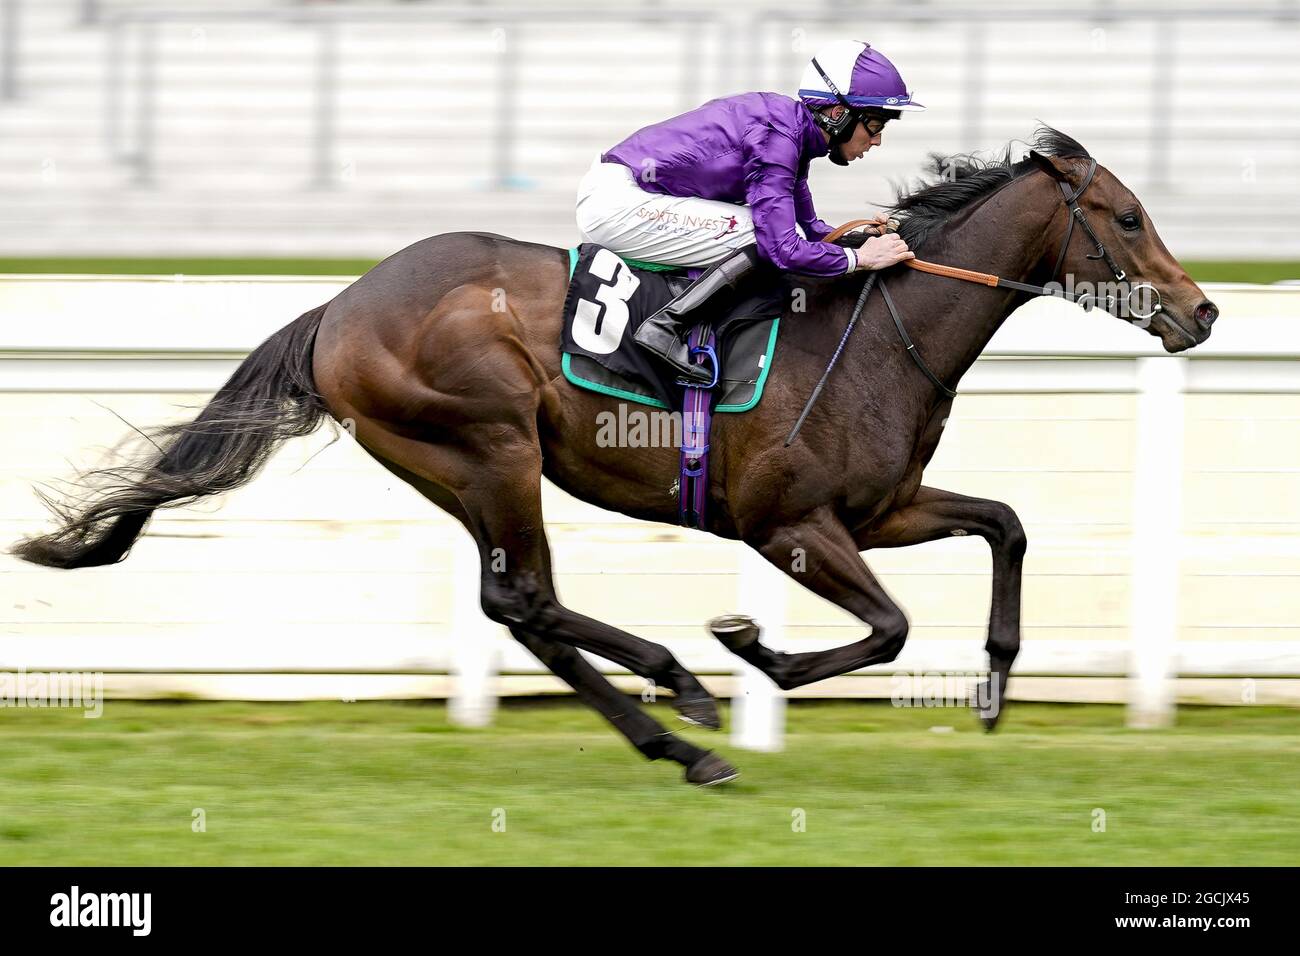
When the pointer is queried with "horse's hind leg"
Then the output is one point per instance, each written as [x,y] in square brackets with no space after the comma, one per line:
[702,766]
[504,513]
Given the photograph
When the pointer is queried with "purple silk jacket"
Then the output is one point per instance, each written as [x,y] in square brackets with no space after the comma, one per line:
[752,149]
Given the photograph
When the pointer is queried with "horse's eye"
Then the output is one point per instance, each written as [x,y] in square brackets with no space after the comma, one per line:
[1130,221]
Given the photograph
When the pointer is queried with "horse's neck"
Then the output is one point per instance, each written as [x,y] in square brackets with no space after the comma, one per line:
[1008,235]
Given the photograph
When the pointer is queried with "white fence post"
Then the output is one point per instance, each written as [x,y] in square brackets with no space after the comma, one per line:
[758,707]
[473,652]
[1157,540]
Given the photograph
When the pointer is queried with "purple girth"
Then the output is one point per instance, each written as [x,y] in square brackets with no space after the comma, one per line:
[697,417]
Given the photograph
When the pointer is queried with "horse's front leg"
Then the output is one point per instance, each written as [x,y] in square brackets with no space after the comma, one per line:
[818,551]
[935,514]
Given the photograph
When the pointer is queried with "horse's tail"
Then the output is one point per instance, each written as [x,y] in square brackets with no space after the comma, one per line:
[270,397]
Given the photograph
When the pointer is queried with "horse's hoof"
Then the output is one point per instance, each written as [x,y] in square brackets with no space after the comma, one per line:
[710,770]
[698,712]
[989,706]
[735,631]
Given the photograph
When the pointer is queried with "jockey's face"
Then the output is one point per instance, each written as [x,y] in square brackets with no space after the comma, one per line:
[865,136]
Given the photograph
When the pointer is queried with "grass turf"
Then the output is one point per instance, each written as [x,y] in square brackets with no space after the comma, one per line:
[1202,271]
[394,783]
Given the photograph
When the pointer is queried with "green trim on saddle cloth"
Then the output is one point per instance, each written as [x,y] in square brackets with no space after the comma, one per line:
[762,376]
[566,361]
[634,263]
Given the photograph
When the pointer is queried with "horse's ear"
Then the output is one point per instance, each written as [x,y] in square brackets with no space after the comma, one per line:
[1054,166]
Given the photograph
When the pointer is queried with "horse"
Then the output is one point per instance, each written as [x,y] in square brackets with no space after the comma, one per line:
[446,358]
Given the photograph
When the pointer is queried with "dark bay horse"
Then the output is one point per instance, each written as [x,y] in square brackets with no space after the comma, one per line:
[446,357]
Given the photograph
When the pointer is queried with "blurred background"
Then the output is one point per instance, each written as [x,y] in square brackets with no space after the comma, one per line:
[305,129]
[178,180]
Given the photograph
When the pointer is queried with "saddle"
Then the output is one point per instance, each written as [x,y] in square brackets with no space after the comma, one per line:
[608,298]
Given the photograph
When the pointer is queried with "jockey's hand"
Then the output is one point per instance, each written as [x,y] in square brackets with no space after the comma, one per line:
[877,225]
[881,252]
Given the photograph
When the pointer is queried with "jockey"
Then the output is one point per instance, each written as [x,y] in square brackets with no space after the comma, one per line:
[725,186]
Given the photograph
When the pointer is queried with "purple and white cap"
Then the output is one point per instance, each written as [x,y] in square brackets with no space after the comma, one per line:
[862,75]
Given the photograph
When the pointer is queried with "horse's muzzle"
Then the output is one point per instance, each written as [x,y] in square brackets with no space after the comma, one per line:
[1205,314]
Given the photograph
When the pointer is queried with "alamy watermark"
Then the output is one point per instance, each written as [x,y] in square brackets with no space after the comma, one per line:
[1137,303]
[638,428]
[133,911]
[84,689]
[946,689]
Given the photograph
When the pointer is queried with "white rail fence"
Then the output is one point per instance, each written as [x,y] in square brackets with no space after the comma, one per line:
[1186,561]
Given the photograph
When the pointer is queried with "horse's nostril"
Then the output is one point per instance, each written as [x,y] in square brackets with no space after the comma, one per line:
[1206,313]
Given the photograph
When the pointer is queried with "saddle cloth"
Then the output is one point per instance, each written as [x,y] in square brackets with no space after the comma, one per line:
[607,300]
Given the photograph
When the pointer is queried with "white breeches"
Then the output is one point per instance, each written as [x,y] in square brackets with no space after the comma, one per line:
[674,230]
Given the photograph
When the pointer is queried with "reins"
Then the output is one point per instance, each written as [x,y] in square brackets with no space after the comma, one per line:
[821,383]
[1071,200]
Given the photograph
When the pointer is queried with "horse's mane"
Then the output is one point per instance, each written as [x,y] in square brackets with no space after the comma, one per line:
[960,179]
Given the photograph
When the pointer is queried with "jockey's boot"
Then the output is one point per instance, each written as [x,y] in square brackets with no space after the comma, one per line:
[665,332]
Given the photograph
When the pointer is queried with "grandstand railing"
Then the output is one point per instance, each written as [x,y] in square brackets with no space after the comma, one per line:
[130,124]
[10,48]
[131,121]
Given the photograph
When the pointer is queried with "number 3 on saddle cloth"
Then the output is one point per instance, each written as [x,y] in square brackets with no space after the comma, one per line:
[609,297]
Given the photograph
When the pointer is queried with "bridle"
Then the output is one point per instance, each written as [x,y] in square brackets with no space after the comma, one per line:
[1076,215]
[1071,198]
